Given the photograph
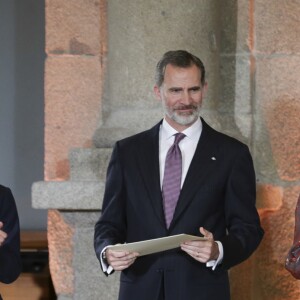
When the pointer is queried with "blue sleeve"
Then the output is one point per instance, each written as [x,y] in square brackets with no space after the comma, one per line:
[10,259]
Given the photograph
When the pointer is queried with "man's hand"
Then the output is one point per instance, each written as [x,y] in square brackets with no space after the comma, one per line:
[202,251]
[3,235]
[120,260]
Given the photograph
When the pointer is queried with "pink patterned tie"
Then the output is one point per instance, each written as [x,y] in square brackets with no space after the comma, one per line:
[172,179]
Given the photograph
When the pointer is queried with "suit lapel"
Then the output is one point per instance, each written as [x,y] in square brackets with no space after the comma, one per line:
[148,162]
[201,164]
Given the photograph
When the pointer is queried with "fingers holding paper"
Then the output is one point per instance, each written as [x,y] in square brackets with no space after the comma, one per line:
[120,260]
[202,251]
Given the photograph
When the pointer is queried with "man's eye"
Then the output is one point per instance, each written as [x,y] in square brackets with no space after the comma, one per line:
[175,90]
[196,89]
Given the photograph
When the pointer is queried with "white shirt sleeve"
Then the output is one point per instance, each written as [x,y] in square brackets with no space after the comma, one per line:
[213,263]
[106,268]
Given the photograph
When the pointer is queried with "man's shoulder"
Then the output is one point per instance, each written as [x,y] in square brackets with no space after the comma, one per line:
[4,190]
[7,201]
[222,138]
[141,137]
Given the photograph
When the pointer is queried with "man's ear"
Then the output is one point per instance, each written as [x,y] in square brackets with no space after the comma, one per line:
[157,92]
[204,88]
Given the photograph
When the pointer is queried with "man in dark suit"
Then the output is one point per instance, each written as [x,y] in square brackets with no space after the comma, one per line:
[10,260]
[216,200]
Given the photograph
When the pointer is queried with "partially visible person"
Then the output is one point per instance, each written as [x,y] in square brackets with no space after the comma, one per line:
[292,262]
[10,259]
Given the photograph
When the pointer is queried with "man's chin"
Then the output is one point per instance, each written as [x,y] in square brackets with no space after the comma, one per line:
[185,120]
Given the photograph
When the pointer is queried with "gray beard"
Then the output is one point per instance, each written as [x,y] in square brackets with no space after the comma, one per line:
[182,119]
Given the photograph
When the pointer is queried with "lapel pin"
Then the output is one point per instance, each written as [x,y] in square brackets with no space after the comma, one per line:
[213,158]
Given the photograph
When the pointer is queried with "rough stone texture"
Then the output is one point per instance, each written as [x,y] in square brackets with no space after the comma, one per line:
[263,276]
[77,195]
[72,109]
[106,137]
[63,297]
[123,123]
[133,29]
[235,77]
[228,25]
[273,91]
[87,268]
[61,252]
[235,94]
[274,282]
[75,27]
[284,130]
[277,26]
[251,52]
[262,153]
[236,25]
[89,164]
[77,271]
[99,287]
[242,280]
[269,197]
[278,105]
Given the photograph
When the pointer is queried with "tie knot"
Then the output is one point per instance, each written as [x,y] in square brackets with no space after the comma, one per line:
[178,137]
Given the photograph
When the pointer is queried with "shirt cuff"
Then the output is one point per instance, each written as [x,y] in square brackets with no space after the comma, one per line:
[105,266]
[213,263]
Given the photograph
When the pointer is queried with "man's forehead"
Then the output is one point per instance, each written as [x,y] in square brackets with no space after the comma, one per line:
[191,74]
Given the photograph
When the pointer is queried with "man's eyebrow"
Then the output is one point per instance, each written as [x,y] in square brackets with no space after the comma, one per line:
[174,88]
[196,87]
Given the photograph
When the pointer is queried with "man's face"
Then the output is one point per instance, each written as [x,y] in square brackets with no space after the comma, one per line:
[181,94]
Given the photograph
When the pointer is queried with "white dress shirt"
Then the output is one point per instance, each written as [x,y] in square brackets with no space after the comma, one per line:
[188,147]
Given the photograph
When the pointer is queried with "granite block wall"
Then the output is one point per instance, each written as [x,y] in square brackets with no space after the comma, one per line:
[98,88]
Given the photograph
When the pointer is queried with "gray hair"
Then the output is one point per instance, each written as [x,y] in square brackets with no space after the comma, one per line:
[178,58]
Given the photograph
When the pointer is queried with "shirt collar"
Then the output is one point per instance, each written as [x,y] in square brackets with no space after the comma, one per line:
[168,131]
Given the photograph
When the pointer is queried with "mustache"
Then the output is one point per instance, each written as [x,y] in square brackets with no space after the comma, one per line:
[183,107]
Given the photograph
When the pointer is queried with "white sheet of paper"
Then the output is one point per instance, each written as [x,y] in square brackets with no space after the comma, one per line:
[156,245]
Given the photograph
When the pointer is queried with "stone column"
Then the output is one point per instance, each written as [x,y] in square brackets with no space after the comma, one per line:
[75,47]
[277,150]
[274,48]
[139,33]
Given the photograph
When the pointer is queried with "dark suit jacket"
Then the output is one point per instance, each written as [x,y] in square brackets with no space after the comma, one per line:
[10,261]
[218,194]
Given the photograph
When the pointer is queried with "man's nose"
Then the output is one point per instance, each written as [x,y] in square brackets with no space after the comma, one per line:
[186,97]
